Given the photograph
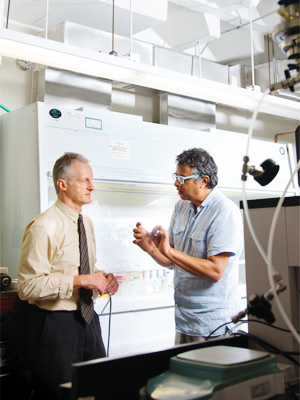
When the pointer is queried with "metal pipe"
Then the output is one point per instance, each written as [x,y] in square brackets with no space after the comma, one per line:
[251,43]
[47,16]
[113,27]
[269,61]
[113,52]
[130,26]
[241,26]
[247,23]
[206,44]
[286,133]
[199,46]
[7,17]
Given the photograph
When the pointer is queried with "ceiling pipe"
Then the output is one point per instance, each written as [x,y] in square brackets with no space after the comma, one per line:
[281,134]
[247,23]
[113,27]
[200,73]
[241,26]
[130,26]
[113,52]
[251,46]
[47,19]
[7,17]
[269,60]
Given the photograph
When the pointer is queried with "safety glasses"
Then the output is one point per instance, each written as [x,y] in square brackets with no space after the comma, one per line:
[181,179]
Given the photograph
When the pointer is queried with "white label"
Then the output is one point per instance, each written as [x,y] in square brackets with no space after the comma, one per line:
[260,390]
[93,123]
[119,150]
[86,398]
[75,120]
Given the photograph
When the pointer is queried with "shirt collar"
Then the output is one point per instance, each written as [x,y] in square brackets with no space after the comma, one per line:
[67,210]
[207,199]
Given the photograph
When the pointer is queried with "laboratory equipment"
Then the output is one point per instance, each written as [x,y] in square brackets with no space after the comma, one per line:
[287,34]
[219,372]
[286,260]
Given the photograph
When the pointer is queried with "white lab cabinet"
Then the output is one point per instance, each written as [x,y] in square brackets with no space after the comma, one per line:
[286,261]
[132,162]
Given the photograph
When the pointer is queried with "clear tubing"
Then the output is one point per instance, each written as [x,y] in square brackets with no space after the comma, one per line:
[251,127]
[270,244]
[4,108]
[271,269]
[250,226]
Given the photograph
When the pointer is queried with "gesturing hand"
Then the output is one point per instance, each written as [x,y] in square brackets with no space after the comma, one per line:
[161,237]
[143,238]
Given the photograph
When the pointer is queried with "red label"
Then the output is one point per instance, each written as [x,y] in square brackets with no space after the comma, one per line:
[7,303]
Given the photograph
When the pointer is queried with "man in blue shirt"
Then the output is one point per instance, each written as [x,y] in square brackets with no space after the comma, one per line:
[203,245]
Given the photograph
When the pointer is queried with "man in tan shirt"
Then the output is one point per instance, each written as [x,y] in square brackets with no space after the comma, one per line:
[49,280]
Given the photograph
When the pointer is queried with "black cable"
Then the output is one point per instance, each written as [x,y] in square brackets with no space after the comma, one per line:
[292,391]
[211,333]
[109,321]
[269,347]
[266,323]
[247,321]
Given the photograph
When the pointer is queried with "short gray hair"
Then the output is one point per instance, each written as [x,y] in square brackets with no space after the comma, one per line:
[62,167]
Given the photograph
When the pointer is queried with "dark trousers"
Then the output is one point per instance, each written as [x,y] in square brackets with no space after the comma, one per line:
[56,340]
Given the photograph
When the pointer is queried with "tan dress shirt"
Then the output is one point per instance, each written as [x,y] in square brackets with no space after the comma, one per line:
[50,258]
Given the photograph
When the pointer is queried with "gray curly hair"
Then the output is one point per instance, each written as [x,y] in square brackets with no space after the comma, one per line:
[200,162]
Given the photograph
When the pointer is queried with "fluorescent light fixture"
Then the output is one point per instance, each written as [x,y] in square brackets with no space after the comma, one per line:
[47,52]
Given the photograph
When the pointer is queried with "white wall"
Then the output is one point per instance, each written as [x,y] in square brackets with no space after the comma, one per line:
[18,88]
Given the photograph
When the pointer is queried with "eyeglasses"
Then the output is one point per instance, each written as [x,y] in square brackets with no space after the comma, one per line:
[181,179]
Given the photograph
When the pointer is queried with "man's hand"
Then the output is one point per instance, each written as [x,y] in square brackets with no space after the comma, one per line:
[112,284]
[155,235]
[153,242]
[161,237]
[143,238]
[95,281]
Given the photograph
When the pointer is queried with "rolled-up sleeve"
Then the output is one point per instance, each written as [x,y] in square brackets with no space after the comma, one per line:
[225,233]
[38,277]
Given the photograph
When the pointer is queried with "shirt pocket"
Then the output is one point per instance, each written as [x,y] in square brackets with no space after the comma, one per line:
[199,244]
[178,234]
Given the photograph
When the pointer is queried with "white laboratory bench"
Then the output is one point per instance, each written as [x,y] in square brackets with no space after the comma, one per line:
[139,323]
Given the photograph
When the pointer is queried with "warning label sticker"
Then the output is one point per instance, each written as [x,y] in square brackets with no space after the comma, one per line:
[119,149]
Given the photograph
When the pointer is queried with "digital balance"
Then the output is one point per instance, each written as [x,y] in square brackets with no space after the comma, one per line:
[219,373]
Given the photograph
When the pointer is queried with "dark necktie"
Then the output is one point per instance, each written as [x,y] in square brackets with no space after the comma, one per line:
[86,301]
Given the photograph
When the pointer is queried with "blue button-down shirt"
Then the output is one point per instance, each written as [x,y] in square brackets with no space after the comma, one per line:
[200,304]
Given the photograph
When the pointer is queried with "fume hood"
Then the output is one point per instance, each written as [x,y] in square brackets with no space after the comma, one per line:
[132,162]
